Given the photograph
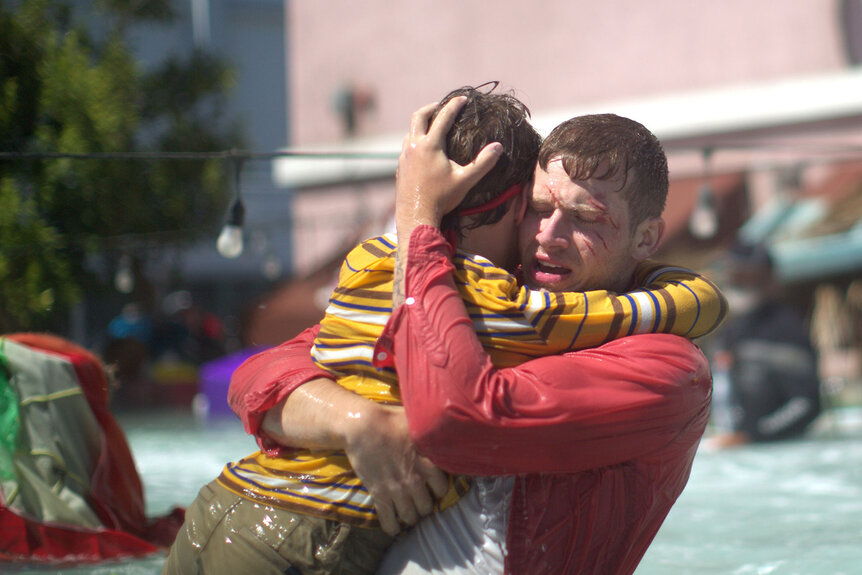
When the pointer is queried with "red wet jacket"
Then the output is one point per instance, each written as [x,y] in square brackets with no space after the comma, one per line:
[602,440]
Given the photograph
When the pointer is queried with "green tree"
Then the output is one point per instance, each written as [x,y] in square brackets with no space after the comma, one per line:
[67,89]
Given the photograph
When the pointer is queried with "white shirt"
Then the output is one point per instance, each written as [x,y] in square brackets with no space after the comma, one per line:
[466,538]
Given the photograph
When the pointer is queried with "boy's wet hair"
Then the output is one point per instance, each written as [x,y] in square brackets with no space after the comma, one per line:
[490,117]
[607,146]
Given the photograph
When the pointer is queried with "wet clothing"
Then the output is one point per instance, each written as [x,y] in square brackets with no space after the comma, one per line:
[619,423]
[249,537]
[514,324]
[774,389]
[601,441]
[468,538]
[320,483]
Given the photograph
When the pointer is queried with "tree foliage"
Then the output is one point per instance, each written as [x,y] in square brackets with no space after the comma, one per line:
[67,89]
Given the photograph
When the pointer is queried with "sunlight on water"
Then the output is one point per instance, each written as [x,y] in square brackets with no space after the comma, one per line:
[783,509]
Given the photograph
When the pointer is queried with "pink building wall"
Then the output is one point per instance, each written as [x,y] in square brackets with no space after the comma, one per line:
[555,54]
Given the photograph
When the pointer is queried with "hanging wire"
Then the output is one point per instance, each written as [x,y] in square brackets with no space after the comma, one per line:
[223,154]
[230,240]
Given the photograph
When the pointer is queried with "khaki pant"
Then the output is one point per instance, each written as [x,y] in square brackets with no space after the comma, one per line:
[225,533]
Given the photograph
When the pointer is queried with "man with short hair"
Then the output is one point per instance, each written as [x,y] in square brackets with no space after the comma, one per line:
[596,444]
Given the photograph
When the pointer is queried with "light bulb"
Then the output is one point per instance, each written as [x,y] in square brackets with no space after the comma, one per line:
[229,243]
[124,280]
[703,222]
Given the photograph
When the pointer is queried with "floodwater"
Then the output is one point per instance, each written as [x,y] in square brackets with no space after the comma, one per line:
[792,508]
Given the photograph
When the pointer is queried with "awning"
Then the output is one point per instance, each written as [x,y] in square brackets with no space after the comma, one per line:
[819,258]
[819,235]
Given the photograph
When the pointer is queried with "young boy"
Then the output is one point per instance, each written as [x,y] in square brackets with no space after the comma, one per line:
[316,492]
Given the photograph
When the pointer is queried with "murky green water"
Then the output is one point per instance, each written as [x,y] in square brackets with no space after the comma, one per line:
[783,509]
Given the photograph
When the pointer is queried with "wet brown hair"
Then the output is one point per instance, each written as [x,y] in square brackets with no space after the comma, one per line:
[490,117]
[607,146]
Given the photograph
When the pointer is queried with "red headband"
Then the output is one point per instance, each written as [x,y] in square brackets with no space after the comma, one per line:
[496,202]
[452,234]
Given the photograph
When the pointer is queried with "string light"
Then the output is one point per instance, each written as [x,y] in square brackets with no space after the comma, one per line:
[124,279]
[703,221]
[229,243]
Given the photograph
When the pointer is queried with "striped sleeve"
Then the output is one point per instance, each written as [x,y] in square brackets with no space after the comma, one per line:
[691,305]
[515,323]
[358,309]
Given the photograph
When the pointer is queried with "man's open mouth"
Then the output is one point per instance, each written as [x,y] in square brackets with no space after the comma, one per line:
[551,269]
[549,273]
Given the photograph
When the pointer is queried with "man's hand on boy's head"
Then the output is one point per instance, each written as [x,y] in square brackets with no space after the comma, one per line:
[429,184]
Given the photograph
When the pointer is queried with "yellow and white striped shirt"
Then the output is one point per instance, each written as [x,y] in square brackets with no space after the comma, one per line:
[514,324]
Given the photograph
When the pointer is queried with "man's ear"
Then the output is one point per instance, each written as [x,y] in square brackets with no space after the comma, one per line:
[521,203]
[647,237]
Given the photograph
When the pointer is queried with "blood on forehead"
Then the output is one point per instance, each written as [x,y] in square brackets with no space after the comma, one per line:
[598,206]
[595,206]
[554,197]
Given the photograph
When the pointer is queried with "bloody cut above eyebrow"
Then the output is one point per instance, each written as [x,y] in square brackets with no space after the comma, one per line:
[601,210]
[598,206]
[557,201]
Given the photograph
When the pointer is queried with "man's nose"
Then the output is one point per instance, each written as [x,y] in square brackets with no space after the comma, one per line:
[553,232]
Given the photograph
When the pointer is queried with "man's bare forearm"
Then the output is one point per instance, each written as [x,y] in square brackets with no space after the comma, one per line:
[319,415]
[322,415]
